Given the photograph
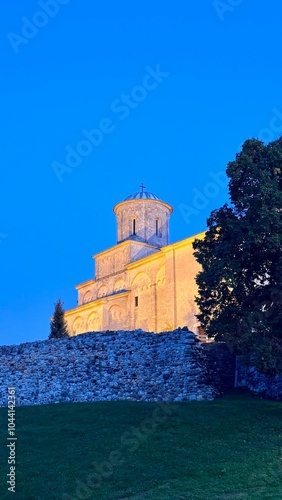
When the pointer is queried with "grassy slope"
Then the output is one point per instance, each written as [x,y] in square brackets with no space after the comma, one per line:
[230,448]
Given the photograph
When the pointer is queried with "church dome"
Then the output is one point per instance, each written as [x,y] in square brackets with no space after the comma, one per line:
[142,195]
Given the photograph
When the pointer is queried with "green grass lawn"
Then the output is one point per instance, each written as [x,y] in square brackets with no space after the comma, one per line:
[230,448]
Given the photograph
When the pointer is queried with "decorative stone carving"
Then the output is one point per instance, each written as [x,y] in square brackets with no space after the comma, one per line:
[116,316]
[160,278]
[141,280]
[77,326]
[102,292]
[119,285]
[87,297]
[93,322]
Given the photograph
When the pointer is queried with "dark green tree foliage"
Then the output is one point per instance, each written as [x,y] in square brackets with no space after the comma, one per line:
[240,285]
[58,325]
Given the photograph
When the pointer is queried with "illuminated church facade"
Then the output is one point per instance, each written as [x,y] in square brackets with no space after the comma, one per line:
[143,282]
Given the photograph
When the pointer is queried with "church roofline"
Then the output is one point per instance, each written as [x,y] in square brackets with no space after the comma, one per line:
[183,242]
[100,300]
[124,243]
[141,200]
[167,248]
[82,308]
[81,285]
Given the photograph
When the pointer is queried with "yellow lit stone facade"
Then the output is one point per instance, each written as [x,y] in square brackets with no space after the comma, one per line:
[142,282]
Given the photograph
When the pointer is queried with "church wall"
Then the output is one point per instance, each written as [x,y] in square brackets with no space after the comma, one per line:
[113,261]
[84,319]
[163,301]
[94,320]
[145,316]
[116,312]
[164,286]
[86,293]
[105,291]
[128,365]
[186,268]
[170,307]
[171,301]
[139,252]
[141,289]
[103,287]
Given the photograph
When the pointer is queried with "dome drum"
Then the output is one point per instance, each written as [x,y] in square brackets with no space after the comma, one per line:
[143,217]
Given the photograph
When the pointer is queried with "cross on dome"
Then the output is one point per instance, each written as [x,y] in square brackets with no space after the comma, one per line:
[142,195]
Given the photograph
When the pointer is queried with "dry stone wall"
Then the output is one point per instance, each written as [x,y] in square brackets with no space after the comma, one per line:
[117,365]
[263,385]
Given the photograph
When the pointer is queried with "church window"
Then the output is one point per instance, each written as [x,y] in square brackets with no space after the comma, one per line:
[159,227]
[136,301]
[133,226]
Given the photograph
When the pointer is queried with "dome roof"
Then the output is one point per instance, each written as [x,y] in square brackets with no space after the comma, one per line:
[142,195]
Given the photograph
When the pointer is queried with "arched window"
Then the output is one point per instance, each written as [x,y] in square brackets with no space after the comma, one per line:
[134,226]
[157,227]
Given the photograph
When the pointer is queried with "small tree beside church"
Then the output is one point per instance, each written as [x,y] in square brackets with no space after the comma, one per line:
[58,325]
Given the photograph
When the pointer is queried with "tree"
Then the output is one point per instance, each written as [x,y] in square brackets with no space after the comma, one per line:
[58,325]
[240,284]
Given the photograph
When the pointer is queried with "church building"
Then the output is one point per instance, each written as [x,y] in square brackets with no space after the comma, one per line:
[143,281]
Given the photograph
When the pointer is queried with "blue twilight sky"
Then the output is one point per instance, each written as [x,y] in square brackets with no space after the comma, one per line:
[172,89]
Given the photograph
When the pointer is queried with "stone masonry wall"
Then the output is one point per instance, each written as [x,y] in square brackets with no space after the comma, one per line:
[257,382]
[106,366]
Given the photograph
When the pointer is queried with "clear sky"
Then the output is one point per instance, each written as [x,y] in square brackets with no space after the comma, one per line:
[167,92]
